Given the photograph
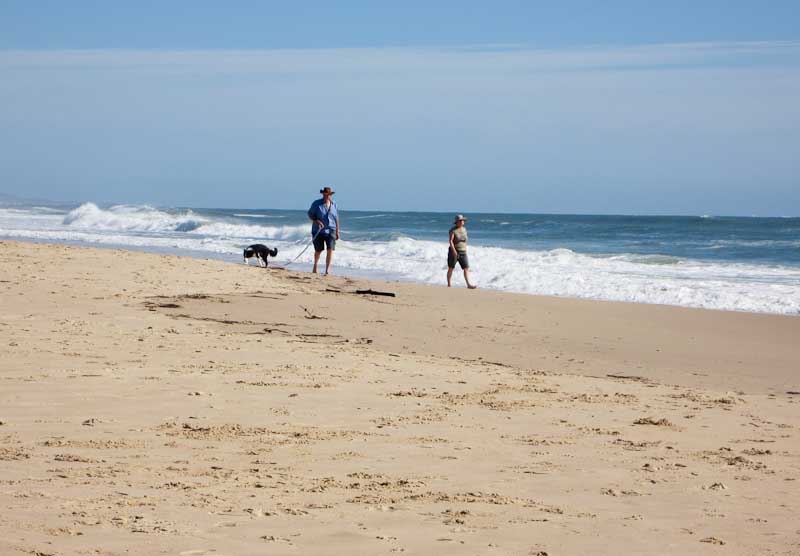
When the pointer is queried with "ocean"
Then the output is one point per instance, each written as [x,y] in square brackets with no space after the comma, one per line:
[731,263]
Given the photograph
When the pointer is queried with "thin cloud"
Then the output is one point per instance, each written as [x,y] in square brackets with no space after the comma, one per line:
[487,58]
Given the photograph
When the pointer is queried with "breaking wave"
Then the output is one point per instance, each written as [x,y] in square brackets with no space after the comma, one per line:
[144,219]
[125,218]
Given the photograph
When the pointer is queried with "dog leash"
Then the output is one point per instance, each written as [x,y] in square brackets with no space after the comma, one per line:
[305,248]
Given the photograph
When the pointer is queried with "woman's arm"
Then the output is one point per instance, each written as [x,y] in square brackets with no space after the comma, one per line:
[453,245]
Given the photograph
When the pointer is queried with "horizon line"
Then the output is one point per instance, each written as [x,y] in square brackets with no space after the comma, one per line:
[109,204]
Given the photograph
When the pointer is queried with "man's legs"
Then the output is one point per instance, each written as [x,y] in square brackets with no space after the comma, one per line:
[316,260]
[319,245]
[330,245]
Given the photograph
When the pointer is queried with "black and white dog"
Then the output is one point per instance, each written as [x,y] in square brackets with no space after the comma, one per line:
[260,252]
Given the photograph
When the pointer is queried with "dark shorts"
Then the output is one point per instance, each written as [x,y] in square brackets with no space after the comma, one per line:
[462,259]
[322,241]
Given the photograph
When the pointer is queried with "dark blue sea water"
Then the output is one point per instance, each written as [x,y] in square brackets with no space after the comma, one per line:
[750,264]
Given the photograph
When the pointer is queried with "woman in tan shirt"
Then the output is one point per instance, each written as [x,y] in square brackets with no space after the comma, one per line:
[458,251]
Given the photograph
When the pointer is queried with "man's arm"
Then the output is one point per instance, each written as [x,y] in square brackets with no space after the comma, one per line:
[312,215]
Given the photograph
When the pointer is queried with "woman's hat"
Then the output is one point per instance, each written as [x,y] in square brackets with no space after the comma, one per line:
[327,191]
[459,217]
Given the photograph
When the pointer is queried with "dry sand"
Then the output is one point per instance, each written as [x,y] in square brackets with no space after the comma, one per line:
[164,405]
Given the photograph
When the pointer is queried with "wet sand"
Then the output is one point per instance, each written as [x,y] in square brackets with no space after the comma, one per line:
[165,405]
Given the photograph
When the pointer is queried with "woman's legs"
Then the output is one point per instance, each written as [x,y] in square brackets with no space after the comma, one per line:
[466,279]
[451,265]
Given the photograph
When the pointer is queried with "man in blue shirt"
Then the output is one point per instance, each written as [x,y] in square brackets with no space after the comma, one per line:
[325,228]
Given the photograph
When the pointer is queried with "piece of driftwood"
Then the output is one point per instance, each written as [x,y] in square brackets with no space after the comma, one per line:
[363,292]
[375,292]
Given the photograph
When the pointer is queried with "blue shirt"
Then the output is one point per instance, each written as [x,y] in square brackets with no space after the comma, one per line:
[328,216]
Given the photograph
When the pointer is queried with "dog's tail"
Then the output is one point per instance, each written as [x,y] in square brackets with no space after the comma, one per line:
[273,252]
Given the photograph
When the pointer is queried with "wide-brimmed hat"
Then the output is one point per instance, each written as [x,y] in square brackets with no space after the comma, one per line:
[327,190]
[459,217]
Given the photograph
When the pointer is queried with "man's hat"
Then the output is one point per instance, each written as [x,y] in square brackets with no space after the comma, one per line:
[327,190]
[458,218]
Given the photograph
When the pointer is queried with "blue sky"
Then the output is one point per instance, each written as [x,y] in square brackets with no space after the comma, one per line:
[584,107]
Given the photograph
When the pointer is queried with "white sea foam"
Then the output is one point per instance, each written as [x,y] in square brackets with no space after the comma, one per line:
[780,243]
[13,218]
[10,212]
[259,215]
[177,244]
[49,210]
[286,233]
[369,216]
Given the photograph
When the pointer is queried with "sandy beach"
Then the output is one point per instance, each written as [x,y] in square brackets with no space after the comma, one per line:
[157,404]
